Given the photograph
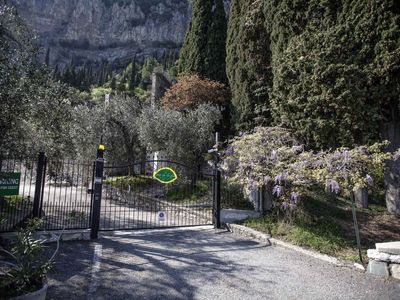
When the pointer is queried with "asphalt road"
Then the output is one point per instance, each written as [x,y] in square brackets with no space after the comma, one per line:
[200,263]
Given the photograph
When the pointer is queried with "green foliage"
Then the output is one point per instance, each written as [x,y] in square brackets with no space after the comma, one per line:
[98,93]
[271,157]
[35,111]
[216,45]
[135,182]
[25,269]
[333,95]
[192,56]
[323,235]
[232,197]
[141,94]
[189,192]
[147,70]
[203,51]
[247,64]
[183,136]
[326,69]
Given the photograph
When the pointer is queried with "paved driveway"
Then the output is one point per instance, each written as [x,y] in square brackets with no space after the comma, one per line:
[200,263]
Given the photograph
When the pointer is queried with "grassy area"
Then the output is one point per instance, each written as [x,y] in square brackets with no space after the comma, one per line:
[325,224]
[135,182]
[188,193]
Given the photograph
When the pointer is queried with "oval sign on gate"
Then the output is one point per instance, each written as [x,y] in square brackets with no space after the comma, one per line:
[165,175]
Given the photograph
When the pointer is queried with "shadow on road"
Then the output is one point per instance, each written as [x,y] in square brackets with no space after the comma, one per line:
[168,264]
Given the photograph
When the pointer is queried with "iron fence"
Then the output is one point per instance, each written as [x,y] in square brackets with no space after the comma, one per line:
[62,193]
[16,198]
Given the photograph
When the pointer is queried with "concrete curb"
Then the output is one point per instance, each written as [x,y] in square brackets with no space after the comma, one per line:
[262,237]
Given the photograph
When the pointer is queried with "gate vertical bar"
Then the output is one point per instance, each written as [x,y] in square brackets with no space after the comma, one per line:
[216,186]
[39,185]
[98,186]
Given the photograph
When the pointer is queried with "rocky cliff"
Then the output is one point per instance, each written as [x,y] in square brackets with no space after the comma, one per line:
[111,30]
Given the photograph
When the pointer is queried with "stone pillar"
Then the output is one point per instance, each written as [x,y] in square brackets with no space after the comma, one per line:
[361,198]
[262,199]
[267,198]
[392,180]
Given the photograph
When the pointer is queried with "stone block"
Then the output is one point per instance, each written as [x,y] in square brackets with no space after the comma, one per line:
[378,268]
[392,180]
[395,270]
[381,256]
[391,247]
[361,198]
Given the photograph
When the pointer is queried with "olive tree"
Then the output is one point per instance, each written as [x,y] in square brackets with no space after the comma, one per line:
[183,136]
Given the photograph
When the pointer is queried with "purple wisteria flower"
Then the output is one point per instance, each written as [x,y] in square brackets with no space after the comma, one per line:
[230,151]
[285,205]
[279,179]
[333,186]
[298,148]
[277,190]
[346,157]
[370,180]
[273,155]
[266,180]
[294,197]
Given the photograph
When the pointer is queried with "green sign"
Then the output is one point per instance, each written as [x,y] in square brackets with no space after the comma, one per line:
[165,175]
[9,183]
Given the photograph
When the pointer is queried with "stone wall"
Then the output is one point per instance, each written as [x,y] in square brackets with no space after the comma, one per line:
[385,260]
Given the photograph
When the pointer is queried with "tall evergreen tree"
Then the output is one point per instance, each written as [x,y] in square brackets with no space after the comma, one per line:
[194,50]
[113,84]
[216,44]
[133,76]
[248,59]
[47,58]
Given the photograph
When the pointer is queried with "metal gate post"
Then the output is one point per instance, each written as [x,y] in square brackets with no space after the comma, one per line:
[217,198]
[40,176]
[216,185]
[98,186]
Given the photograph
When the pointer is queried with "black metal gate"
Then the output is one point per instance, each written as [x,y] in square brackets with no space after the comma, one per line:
[55,190]
[132,198]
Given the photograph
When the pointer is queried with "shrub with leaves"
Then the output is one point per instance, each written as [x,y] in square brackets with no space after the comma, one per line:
[26,267]
[190,91]
[271,157]
[183,136]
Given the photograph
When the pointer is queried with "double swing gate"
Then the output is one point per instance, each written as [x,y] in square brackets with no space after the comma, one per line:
[70,195]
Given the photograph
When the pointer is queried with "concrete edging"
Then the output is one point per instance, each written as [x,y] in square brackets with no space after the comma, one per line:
[262,237]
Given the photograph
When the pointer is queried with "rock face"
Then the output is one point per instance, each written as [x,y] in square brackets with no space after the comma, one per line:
[95,30]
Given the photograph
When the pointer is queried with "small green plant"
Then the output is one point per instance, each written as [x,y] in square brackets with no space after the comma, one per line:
[135,182]
[74,215]
[189,192]
[25,267]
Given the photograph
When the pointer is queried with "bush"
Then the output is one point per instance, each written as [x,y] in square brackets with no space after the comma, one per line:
[183,136]
[190,91]
[135,182]
[271,157]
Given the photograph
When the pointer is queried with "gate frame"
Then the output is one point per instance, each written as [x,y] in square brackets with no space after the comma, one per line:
[96,197]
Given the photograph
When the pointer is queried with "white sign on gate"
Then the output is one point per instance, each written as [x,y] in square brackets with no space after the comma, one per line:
[161,216]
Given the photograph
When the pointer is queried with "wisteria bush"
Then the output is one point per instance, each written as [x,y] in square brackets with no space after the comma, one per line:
[273,158]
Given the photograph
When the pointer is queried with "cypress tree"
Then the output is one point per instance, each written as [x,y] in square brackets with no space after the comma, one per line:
[194,50]
[216,45]
[113,83]
[248,59]
[47,59]
[133,75]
